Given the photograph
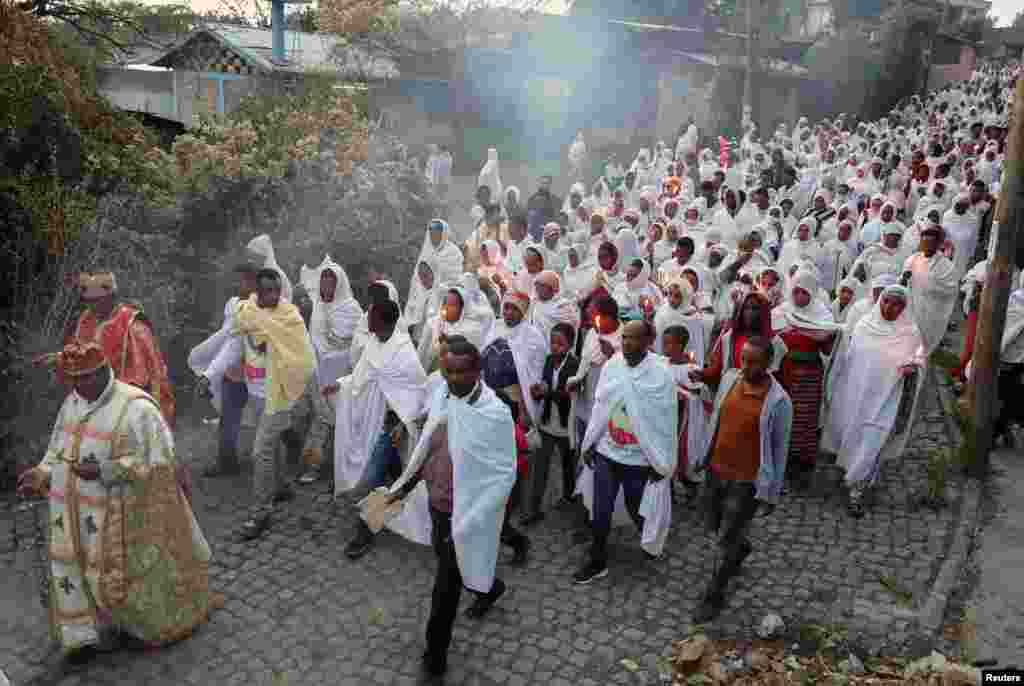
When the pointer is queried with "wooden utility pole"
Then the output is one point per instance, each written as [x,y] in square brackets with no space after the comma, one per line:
[1009,220]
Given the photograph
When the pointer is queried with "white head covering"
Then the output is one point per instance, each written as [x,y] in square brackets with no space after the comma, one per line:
[262,248]
[814,316]
[490,176]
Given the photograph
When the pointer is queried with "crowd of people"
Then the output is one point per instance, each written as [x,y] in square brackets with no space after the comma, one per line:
[697,327]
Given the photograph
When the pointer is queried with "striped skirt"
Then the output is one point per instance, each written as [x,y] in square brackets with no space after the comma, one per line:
[804,381]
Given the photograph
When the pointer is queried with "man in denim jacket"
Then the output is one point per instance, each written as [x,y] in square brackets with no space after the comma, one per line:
[750,431]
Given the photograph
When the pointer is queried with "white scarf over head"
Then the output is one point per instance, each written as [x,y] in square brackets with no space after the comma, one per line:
[529,352]
[865,388]
[334,323]
[815,316]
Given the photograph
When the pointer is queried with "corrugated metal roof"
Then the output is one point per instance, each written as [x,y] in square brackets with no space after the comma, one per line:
[303,52]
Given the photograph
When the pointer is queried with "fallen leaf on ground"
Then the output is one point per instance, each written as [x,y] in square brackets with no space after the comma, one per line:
[630,665]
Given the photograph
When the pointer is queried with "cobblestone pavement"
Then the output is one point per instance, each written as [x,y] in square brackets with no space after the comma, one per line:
[295,606]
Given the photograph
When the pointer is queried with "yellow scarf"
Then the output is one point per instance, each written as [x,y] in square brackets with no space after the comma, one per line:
[290,360]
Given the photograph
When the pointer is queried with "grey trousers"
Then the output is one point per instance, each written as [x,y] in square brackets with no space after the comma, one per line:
[268,475]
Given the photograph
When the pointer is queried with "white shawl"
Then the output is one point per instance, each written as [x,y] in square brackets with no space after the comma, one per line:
[262,247]
[333,324]
[529,351]
[388,375]
[865,388]
[933,291]
[649,391]
[482,445]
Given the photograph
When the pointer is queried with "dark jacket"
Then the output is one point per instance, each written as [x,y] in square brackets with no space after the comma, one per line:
[557,395]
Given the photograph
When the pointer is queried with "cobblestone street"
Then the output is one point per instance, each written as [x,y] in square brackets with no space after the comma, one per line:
[298,612]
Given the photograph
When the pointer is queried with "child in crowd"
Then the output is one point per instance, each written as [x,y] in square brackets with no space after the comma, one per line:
[555,423]
[693,416]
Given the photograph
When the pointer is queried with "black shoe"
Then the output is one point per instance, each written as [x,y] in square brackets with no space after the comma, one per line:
[855,509]
[522,549]
[592,571]
[82,656]
[361,544]
[710,607]
[434,666]
[745,551]
[531,519]
[483,603]
[217,471]
[284,495]
[566,503]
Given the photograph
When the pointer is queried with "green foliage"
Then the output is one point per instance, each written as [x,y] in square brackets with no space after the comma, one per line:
[937,474]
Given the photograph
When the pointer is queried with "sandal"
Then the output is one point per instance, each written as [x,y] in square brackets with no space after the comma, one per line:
[308,477]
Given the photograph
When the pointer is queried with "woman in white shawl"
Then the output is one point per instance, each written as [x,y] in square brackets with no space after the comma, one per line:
[262,251]
[578,276]
[336,315]
[678,310]
[423,301]
[663,245]
[802,246]
[492,262]
[454,319]
[962,231]
[637,292]
[490,175]
[441,254]
[846,296]
[933,288]
[550,307]
[534,261]
[875,380]
[805,325]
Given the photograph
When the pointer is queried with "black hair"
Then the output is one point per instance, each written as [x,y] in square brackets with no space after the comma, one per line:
[762,343]
[678,331]
[638,263]
[607,306]
[246,268]
[567,330]
[790,200]
[378,292]
[686,242]
[388,312]
[269,275]
[460,346]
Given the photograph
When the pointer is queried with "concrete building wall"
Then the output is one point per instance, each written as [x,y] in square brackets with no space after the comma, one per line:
[941,74]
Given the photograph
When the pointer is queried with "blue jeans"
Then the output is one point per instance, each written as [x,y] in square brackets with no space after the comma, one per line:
[384,465]
[234,395]
[608,477]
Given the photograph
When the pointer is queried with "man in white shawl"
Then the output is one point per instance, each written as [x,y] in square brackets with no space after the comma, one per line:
[876,380]
[466,456]
[933,286]
[746,455]
[376,405]
[631,444]
[513,354]
[379,291]
[336,314]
